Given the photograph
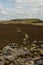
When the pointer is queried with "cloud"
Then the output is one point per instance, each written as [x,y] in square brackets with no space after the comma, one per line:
[22,9]
[2,10]
[34,7]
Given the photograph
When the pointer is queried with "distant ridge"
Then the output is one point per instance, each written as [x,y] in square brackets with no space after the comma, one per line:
[31,20]
[24,19]
[21,21]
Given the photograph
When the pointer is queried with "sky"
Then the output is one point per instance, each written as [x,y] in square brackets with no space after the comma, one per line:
[20,9]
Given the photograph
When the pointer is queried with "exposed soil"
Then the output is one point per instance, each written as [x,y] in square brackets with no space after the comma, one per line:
[8,33]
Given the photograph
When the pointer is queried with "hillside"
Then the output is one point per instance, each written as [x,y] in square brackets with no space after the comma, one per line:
[22,21]
[28,20]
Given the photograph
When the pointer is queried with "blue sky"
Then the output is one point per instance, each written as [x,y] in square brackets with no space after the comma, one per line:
[14,9]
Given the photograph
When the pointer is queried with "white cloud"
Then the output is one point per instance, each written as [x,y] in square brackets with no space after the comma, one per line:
[2,10]
[34,9]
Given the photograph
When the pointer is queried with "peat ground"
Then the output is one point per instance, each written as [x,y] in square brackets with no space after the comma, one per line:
[8,33]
